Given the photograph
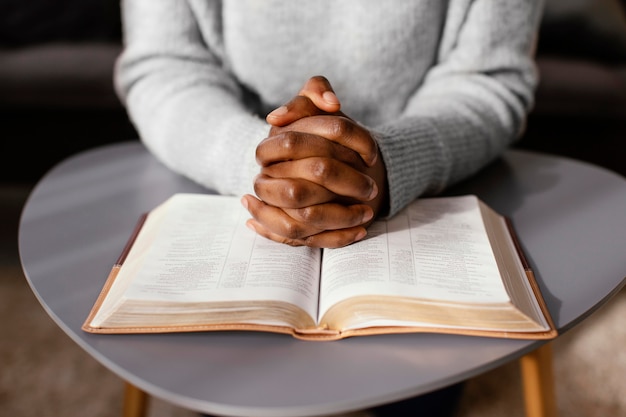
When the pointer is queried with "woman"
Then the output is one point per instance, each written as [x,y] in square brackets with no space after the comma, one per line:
[430,90]
[371,104]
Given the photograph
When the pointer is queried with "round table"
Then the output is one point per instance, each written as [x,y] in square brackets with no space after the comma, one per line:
[571,221]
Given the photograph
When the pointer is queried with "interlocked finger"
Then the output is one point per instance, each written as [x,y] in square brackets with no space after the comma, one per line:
[332,216]
[331,174]
[276,222]
[291,192]
[286,145]
[327,239]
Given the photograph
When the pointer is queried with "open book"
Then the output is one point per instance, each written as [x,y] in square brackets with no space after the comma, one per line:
[446,264]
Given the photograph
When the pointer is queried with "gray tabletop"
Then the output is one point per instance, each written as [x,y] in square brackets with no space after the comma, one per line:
[570,217]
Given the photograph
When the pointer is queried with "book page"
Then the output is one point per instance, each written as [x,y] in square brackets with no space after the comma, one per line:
[202,251]
[435,249]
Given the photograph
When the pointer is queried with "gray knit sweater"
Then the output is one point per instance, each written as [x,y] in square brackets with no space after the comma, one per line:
[444,85]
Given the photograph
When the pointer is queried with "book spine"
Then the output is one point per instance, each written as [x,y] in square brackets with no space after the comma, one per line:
[131,240]
[518,246]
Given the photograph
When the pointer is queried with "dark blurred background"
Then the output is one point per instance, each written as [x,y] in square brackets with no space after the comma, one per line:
[56,83]
[57,98]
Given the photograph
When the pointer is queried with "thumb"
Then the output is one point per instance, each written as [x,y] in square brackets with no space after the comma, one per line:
[320,92]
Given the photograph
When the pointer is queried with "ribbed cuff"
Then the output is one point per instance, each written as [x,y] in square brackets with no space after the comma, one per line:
[416,161]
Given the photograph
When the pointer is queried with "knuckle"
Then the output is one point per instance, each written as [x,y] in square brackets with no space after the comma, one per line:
[339,127]
[294,193]
[291,230]
[322,169]
[257,185]
[308,214]
[288,141]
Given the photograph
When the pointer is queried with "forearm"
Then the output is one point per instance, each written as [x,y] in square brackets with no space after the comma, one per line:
[443,141]
[187,109]
[211,143]
[472,104]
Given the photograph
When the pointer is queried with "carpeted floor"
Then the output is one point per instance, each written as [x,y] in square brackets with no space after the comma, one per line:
[44,374]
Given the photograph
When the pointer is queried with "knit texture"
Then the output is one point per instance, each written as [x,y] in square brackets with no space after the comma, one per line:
[444,86]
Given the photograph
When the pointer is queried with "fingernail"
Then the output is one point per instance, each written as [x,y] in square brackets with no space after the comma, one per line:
[373,160]
[244,202]
[250,226]
[359,236]
[368,215]
[281,111]
[330,97]
[374,191]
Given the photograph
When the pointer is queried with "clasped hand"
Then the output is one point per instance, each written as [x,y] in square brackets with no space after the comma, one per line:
[322,180]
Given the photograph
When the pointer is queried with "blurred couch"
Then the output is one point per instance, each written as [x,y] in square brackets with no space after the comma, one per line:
[56,82]
[57,97]
[580,108]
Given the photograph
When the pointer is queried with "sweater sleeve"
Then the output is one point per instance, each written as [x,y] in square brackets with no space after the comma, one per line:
[472,104]
[187,109]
